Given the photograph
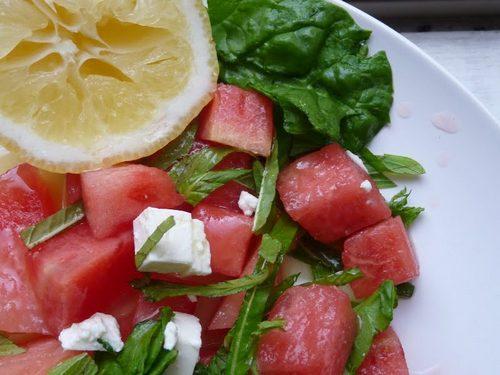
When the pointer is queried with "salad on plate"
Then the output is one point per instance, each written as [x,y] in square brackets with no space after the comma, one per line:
[189,189]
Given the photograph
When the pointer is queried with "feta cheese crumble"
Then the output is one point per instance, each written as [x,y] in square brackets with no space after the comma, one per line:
[171,335]
[188,344]
[366,186]
[247,203]
[184,249]
[85,335]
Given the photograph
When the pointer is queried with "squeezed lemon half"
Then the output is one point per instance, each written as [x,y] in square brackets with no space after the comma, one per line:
[90,83]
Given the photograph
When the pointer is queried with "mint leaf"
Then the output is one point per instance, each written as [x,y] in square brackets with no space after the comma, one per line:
[340,278]
[242,341]
[157,290]
[327,83]
[175,150]
[81,364]
[258,172]
[392,164]
[267,325]
[153,240]
[267,189]
[52,225]
[269,248]
[143,353]
[7,347]
[374,316]
[399,207]
[106,345]
[405,290]
[194,178]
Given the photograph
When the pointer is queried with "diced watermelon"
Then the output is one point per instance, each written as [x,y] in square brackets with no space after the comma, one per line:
[40,357]
[319,332]
[228,312]
[24,198]
[226,196]
[76,275]
[213,339]
[22,339]
[19,309]
[323,192]
[114,197]
[147,310]
[386,356]
[382,252]
[229,234]
[206,308]
[235,160]
[238,118]
[73,188]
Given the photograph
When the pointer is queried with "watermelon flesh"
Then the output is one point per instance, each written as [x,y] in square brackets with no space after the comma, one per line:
[206,307]
[24,198]
[19,310]
[238,118]
[235,160]
[76,275]
[148,310]
[73,188]
[228,312]
[323,192]
[227,196]
[386,356]
[40,357]
[114,197]
[229,234]
[382,252]
[319,332]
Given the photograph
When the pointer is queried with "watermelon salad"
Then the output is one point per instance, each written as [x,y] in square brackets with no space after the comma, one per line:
[258,241]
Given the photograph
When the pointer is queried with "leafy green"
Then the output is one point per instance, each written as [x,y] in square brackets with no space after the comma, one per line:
[156,290]
[382,181]
[194,178]
[267,325]
[153,240]
[267,189]
[405,290]
[106,345]
[322,259]
[243,342]
[175,150]
[7,347]
[393,164]
[327,84]
[279,289]
[399,207]
[143,352]
[269,248]
[340,278]
[81,364]
[258,172]
[374,316]
[52,225]
[217,365]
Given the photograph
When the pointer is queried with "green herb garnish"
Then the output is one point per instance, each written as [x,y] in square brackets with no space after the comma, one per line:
[267,189]
[392,164]
[405,290]
[81,364]
[374,316]
[156,290]
[153,240]
[52,225]
[269,248]
[7,347]
[323,259]
[340,278]
[268,325]
[399,207]
[257,172]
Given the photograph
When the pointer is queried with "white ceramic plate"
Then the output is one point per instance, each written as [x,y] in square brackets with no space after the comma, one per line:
[451,325]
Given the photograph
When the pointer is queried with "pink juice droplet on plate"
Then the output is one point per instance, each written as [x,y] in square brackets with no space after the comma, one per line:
[445,121]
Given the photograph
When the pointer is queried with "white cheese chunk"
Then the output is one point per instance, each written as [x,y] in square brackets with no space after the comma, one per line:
[292,266]
[247,203]
[183,249]
[366,186]
[171,335]
[188,344]
[85,335]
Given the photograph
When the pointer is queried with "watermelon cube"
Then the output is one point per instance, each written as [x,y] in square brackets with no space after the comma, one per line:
[227,196]
[235,160]
[24,198]
[319,332]
[330,195]
[76,275]
[229,234]
[114,197]
[386,356]
[40,357]
[206,308]
[19,309]
[73,188]
[381,252]
[238,118]
[229,309]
